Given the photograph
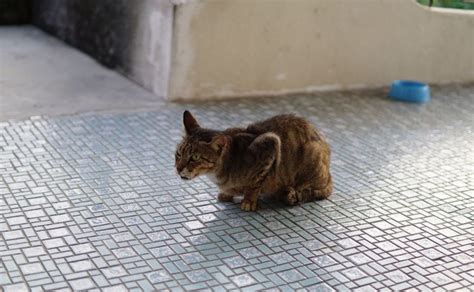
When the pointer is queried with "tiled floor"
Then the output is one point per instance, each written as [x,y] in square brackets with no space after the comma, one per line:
[92,201]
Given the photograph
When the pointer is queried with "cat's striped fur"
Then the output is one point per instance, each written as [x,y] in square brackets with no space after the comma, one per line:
[283,157]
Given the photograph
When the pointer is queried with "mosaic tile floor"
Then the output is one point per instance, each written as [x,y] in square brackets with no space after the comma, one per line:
[92,202]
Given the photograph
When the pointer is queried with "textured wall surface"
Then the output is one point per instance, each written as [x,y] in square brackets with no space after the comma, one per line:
[133,37]
[233,48]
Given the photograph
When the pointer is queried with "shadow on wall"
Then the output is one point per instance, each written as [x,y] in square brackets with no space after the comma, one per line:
[15,12]
[132,37]
[98,28]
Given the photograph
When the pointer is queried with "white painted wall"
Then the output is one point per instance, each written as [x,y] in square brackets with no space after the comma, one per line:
[151,53]
[230,48]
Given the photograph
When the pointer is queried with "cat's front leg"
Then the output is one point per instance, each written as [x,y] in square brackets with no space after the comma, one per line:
[249,203]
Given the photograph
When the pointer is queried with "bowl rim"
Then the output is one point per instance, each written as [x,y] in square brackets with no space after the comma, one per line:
[409,83]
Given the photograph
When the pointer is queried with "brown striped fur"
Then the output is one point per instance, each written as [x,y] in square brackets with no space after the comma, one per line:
[283,157]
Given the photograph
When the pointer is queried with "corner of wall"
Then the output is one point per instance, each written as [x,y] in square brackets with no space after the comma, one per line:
[182,49]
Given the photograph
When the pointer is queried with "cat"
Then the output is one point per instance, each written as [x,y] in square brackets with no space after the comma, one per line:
[283,158]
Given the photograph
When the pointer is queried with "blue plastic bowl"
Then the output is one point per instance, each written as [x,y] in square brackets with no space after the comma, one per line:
[407,90]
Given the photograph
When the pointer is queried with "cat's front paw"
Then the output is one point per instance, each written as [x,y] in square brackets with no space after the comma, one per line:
[248,205]
[221,197]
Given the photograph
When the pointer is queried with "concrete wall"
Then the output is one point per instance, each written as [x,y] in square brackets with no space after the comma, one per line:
[230,48]
[133,37]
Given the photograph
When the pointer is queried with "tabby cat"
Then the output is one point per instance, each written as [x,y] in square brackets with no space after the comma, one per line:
[284,158]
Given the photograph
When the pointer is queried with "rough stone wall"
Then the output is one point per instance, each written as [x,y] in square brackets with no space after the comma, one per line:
[132,37]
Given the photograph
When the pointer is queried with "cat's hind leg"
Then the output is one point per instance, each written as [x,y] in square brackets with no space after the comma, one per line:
[314,182]
[223,197]
[314,193]
[293,197]
[290,197]
[318,187]
[317,194]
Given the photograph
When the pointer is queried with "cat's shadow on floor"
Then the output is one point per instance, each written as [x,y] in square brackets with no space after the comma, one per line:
[264,205]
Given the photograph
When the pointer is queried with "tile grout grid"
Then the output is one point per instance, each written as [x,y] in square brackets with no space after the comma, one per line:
[92,202]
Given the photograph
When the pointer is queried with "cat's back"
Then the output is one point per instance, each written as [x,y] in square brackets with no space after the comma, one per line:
[287,126]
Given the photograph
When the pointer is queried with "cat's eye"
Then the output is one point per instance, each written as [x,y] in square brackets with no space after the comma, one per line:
[195,157]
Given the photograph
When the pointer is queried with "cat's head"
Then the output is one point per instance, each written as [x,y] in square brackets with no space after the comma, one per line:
[200,151]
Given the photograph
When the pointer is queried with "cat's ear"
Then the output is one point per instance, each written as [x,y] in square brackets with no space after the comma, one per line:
[219,142]
[190,123]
